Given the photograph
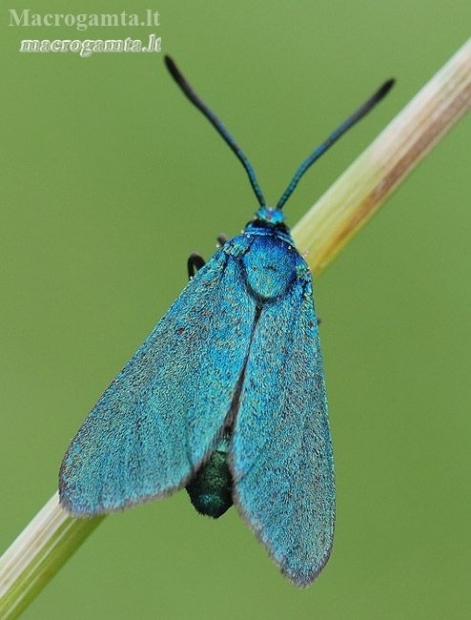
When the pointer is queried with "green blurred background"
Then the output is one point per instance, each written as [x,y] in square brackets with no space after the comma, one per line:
[110,178]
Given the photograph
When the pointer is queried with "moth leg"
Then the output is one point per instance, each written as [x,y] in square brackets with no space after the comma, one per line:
[194,263]
[222,238]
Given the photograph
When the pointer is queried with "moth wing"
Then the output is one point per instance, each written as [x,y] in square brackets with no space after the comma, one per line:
[164,412]
[281,449]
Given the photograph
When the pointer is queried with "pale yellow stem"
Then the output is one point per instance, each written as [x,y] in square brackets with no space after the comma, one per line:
[37,554]
[368,182]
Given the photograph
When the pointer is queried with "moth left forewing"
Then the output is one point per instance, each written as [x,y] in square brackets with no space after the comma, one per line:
[159,418]
[281,453]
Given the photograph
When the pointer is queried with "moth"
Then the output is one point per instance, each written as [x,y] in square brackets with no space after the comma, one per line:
[226,396]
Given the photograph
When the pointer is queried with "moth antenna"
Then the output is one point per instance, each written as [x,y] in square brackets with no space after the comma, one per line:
[217,124]
[334,136]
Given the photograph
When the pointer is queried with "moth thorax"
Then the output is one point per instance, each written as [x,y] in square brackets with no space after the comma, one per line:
[270,266]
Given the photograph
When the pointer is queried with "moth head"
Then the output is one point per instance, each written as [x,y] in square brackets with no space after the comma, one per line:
[270,215]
